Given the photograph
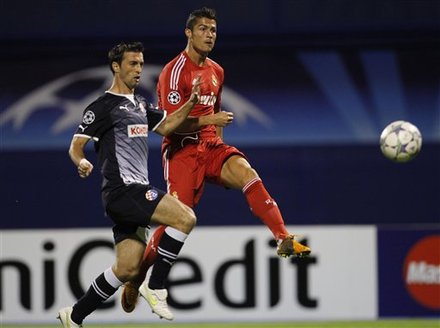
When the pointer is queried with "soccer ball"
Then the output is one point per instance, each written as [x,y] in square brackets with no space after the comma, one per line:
[400,141]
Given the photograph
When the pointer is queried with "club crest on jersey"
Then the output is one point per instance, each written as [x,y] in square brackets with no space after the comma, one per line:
[151,194]
[89,117]
[142,107]
[174,97]
[214,80]
[137,130]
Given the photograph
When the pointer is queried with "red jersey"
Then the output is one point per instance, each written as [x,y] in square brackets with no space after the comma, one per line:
[175,85]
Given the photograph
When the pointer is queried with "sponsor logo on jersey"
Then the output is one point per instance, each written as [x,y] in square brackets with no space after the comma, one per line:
[173,97]
[137,130]
[88,117]
[208,100]
[151,194]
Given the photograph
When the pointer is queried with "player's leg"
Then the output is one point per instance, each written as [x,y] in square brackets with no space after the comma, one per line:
[180,220]
[237,173]
[183,185]
[129,252]
[130,291]
[185,181]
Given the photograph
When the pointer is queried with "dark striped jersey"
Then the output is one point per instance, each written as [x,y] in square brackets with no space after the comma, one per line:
[119,125]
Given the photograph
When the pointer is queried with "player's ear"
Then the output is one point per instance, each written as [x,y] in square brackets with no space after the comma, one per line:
[188,33]
[115,67]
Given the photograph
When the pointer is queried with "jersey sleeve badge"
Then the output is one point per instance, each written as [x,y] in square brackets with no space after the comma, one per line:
[88,117]
[173,97]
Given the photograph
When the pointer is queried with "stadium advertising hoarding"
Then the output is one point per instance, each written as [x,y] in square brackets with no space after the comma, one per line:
[224,273]
[409,271]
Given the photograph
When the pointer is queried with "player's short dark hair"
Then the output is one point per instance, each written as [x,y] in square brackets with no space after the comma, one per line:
[200,13]
[117,52]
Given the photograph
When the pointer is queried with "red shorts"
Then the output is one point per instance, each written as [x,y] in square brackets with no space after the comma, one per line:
[186,169]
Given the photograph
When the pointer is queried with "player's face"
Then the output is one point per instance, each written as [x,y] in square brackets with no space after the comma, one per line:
[131,68]
[203,35]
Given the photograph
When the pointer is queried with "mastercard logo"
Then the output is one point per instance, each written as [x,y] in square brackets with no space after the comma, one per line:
[421,272]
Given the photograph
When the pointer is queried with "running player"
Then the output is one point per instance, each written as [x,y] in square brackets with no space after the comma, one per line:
[196,153]
[119,122]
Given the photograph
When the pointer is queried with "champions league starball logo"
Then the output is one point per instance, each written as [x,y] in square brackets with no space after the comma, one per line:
[89,117]
[30,121]
[173,97]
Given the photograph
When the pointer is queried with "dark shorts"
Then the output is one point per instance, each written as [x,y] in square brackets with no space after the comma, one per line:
[131,208]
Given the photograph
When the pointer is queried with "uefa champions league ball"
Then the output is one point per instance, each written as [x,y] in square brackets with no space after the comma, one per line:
[400,141]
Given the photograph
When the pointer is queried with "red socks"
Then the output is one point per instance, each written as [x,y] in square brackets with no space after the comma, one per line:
[264,206]
[261,204]
[150,253]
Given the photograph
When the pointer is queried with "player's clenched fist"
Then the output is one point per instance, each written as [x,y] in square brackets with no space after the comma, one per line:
[84,168]
[223,119]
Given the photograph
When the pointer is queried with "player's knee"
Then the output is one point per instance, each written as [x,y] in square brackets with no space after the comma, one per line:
[127,272]
[248,175]
[245,169]
[189,219]
[251,173]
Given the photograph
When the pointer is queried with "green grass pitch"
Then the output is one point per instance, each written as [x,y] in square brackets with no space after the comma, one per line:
[409,323]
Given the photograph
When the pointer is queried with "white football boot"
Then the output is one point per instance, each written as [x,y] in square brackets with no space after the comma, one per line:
[157,299]
[66,320]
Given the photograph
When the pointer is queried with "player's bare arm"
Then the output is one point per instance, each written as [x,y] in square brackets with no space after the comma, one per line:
[76,153]
[220,119]
[173,121]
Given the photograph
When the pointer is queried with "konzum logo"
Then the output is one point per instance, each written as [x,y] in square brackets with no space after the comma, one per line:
[421,272]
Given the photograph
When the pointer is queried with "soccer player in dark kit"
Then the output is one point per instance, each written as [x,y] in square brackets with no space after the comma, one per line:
[119,122]
[196,153]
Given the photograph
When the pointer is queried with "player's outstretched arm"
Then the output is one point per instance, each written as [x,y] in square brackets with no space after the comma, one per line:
[76,153]
[173,121]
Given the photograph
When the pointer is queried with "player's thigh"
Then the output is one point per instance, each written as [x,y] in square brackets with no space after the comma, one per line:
[172,212]
[185,175]
[237,172]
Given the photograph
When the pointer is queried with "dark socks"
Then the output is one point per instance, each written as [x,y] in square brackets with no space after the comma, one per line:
[104,286]
[169,247]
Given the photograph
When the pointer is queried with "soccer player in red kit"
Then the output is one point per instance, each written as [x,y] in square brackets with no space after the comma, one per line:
[196,153]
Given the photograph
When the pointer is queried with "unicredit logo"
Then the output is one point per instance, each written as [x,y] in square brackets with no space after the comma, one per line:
[421,272]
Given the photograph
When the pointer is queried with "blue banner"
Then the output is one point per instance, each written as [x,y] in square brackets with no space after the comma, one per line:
[299,97]
[409,280]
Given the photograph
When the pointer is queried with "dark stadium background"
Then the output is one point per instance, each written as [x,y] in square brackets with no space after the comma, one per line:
[320,169]
[329,75]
